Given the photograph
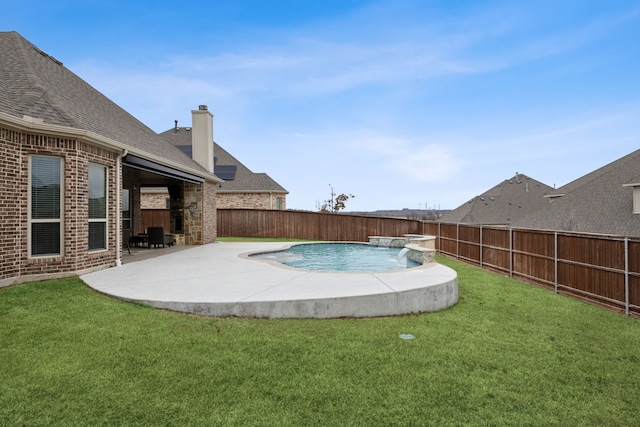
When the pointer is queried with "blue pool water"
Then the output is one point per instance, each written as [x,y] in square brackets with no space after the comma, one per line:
[348,257]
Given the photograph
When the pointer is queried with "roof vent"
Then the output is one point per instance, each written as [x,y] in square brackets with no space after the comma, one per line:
[46,55]
[40,51]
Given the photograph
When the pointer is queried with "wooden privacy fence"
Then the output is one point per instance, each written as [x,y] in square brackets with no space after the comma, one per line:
[601,269]
[311,225]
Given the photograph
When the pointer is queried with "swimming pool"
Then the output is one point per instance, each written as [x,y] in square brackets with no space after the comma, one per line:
[343,257]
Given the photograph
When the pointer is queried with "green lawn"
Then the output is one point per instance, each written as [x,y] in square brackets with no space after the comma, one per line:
[506,354]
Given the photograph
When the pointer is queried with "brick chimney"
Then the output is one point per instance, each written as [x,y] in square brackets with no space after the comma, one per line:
[202,137]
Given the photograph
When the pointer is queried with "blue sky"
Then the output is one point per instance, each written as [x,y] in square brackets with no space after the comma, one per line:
[403,103]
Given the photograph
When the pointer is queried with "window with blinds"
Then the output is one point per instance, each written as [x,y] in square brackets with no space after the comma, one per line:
[126,209]
[45,206]
[97,207]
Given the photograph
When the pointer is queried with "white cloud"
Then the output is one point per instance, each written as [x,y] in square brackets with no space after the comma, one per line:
[427,164]
[403,158]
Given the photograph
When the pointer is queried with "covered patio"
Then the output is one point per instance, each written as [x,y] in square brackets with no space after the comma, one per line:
[183,219]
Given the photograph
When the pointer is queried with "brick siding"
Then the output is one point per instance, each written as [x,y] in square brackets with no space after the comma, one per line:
[210,213]
[250,200]
[15,264]
[154,200]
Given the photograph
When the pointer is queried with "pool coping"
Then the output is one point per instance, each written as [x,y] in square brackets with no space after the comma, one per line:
[220,280]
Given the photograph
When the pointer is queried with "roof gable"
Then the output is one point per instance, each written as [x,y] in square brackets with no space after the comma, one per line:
[36,84]
[599,202]
[503,204]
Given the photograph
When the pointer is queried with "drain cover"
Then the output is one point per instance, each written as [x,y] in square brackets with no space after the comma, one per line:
[407,336]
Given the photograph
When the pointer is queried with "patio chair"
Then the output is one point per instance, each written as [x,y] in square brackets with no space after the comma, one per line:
[157,237]
[126,238]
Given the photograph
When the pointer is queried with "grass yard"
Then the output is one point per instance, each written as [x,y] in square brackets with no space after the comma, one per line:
[506,354]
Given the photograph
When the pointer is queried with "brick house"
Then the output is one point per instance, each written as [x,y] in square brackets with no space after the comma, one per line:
[72,163]
[241,188]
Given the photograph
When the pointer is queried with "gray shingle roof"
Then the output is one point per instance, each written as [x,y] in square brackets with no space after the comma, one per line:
[35,84]
[245,181]
[504,204]
[594,203]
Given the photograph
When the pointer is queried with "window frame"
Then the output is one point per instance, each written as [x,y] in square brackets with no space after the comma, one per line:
[59,220]
[127,219]
[98,220]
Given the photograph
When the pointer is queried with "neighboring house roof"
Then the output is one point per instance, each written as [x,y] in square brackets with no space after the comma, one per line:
[503,204]
[35,84]
[598,202]
[237,178]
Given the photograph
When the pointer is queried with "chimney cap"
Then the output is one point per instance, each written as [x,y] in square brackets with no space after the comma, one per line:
[203,108]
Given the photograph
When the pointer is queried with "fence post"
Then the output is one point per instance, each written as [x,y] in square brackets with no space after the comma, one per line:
[555,261]
[626,276]
[510,252]
[480,246]
[457,241]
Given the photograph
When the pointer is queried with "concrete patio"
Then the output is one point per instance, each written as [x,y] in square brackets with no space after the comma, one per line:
[220,280]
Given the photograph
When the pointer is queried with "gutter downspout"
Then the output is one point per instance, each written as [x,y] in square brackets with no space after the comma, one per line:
[119,206]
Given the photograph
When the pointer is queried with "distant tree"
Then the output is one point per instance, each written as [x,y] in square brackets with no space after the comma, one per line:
[336,202]
[571,221]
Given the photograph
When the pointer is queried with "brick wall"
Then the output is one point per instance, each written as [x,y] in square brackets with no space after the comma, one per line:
[153,200]
[250,200]
[210,213]
[15,264]
[192,214]
[200,216]
[12,226]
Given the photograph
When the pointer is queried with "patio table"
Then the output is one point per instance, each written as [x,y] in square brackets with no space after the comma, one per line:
[140,239]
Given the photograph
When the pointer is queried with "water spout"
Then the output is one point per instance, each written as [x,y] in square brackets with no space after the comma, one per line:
[402,255]
[385,242]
